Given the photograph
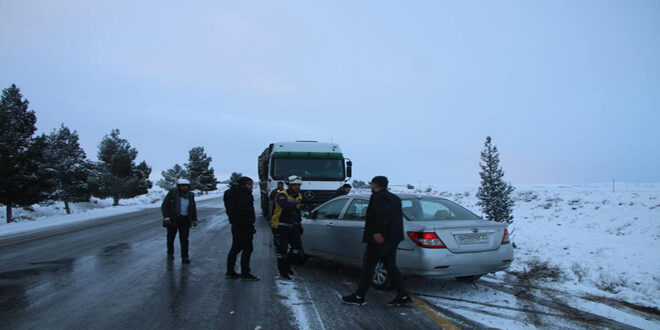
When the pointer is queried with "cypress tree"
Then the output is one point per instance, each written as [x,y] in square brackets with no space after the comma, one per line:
[70,165]
[494,194]
[200,172]
[23,174]
[116,174]
[171,176]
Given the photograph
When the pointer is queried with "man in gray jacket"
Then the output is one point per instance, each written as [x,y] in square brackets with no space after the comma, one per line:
[179,212]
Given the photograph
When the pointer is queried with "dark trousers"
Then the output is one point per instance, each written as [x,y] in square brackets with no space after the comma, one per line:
[183,227]
[241,241]
[387,253]
[288,235]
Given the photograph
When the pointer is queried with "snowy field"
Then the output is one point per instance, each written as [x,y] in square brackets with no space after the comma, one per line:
[583,241]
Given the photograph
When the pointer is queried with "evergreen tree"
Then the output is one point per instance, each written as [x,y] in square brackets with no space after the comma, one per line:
[494,194]
[233,179]
[70,166]
[200,174]
[23,175]
[116,174]
[171,176]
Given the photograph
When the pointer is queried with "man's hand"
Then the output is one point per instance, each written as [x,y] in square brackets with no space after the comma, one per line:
[167,221]
[378,238]
[194,223]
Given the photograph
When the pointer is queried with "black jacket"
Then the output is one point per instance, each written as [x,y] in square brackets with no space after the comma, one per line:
[340,192]
[384,216]
[171,207]
[239,204]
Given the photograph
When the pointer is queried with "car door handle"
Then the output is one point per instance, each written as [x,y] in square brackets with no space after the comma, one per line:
[330,225]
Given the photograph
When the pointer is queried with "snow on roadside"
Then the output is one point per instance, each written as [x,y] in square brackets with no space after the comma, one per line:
[603,243]
[295,302]
[53,215]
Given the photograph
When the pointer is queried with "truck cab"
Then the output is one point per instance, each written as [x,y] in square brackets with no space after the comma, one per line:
[322,166]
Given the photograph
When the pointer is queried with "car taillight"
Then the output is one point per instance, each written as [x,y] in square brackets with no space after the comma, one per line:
[505,238]
[426,240]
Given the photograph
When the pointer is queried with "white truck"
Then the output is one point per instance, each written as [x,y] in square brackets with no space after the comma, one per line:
[322,166]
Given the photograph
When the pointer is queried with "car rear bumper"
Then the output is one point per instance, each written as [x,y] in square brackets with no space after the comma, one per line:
[443,263]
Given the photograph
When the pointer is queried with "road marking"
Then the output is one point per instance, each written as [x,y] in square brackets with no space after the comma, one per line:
[318,316]
[428,311]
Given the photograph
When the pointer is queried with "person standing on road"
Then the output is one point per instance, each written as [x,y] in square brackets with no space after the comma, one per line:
[179,212]
[343,190]
[239,204]
[383,232]
[286,224]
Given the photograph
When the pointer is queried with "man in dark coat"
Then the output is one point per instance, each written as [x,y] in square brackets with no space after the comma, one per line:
[239,204]
[343,190]
[179,212]
[383,232]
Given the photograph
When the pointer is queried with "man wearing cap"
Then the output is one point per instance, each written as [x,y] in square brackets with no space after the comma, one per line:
[383,231]
[239,205]
[286,223]
[179,212]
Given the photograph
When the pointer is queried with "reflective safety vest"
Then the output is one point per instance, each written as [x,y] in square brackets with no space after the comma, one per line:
[289,216]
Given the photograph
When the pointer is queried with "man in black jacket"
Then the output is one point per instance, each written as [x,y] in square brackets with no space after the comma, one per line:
[383,232]
[239,204]
[179,211]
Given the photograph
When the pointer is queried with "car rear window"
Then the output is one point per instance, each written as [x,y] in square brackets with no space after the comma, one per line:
[416,209]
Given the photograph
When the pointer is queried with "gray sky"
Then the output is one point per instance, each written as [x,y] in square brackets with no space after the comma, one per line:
[568,90]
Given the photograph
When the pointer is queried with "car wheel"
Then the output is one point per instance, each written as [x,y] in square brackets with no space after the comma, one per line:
[468,279]
[381,279]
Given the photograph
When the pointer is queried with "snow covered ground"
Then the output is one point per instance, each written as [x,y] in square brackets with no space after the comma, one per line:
[587,239]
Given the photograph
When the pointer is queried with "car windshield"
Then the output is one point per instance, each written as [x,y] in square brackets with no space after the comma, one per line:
[416,209]
[318,169]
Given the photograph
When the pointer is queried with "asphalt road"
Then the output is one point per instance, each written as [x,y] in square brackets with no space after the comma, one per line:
[113,273]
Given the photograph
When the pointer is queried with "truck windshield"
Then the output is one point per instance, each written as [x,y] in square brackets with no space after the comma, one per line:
[308,169]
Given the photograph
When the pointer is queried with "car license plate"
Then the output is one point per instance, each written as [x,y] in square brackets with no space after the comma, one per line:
[472,239]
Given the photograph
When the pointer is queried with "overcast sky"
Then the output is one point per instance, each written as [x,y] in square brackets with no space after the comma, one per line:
[568,90]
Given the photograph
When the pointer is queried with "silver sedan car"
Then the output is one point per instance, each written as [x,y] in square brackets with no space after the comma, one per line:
[441,238]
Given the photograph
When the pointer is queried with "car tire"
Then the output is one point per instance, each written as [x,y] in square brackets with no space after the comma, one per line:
[468,279]
[381,279]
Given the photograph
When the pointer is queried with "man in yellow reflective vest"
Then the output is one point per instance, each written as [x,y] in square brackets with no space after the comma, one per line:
[286,224]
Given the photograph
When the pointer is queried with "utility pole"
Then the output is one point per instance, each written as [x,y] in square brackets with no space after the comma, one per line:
[612,185]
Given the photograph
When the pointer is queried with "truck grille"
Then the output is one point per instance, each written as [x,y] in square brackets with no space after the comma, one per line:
[317,196]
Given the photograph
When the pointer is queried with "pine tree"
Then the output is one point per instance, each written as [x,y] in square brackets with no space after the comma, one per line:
[171,176]
[23,175]
[233,179]
[70,165]
[200,174]
[494,194]
[116,174]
